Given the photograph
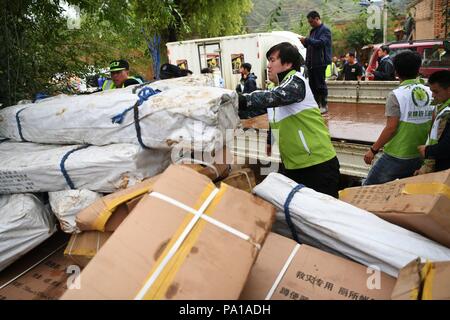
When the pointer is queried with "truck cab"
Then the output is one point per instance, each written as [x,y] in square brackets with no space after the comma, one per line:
[435,55]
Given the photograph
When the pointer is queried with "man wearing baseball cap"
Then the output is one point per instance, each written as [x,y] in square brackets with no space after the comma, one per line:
[120,77]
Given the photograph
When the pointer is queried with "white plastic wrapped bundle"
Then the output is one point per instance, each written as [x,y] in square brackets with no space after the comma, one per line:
[24,224]
[30,167]
[180,115]
[195,80]
[353,232]
[66,205]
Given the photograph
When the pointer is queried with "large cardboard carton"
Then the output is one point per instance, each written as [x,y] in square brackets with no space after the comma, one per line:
[423,281]
[167,249]
[84,246]
[420,204]
[285,270]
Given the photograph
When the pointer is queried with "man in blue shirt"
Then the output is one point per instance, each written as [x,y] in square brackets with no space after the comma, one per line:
[318,57]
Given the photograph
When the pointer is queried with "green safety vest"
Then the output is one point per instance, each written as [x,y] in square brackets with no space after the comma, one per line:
[416,112]
[109,84]
[442,111]
[331,70]
[303,137]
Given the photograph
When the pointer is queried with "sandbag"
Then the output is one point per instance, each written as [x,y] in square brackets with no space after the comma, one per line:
[24,223]
[191,117]
[30,167]
[355,233]
[68,203]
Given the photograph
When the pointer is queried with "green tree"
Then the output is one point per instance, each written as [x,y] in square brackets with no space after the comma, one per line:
[38,44]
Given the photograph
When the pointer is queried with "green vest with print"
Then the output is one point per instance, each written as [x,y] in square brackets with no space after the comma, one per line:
[300,130]
[416,112]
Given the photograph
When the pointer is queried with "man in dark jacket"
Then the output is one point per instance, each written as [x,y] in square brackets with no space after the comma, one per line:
[437,150]
[385,70]
[248,80]
[318,57]
[248,85]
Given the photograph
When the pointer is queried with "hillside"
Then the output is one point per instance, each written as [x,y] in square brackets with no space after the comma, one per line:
[292,10]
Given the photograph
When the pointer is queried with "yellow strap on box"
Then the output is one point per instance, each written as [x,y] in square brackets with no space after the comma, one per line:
[343,194]
[427,275]
[111,206]
[429,188]
[161,285]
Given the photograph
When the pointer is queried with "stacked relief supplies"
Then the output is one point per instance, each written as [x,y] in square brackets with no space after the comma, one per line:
[335,226]
[81,147]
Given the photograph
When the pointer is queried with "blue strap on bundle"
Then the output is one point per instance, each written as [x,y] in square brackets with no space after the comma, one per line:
[287,212]
[63,168]
[19,125]
[143,96]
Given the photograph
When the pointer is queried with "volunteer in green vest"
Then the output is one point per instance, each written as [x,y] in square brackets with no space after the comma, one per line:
[409,112]
[436,152]
[331,73]
[307,155]
[120,77]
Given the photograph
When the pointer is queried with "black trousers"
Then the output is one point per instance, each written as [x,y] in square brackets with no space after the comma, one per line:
[322,177]
[318,85]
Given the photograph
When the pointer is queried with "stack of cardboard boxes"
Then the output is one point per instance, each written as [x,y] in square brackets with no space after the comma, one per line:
[179,236]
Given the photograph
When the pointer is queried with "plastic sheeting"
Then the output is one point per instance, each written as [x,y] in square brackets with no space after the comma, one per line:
[360,235]
[66,205]
[194,117]
[24,224]
[30,167]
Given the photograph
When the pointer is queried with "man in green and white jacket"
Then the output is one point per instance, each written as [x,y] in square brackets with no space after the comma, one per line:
[409,112]
[307,154]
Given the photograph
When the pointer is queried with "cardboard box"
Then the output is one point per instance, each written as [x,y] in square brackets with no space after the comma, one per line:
[215,172]
[47,280]
[243,179]
[420,204]
[84,246]
[312,274]
[211,263]
[107,213]
[423,281]
[111,207]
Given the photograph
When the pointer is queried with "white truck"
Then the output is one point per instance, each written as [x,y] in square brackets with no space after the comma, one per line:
[224,55]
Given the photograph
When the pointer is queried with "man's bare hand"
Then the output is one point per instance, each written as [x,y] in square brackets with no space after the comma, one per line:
[422,150]
[368,157]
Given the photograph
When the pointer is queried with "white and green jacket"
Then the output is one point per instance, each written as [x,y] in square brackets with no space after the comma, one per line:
[416,112]
[443,112]
[304,139]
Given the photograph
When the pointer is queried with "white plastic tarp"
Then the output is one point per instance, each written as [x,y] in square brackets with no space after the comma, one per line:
[30,167]
[66,205]
[24,224]
[195,116]
[353,232]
